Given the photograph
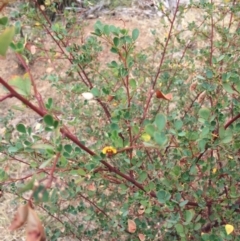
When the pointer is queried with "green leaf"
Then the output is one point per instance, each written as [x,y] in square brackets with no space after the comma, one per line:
[193,170]
[163,196]
[21,84]
[114,126]
[3,21]
[55,124]
[214,237]
[27,187]
[205,237]
[113,64]
[178,124]
[204,113]
[21,128]
[41,194]
[174,218]
[228,88]
[225,135]
[48,119]
[12,149]
[182,133]
[150,129]
[160,121]
[125,40]
[42,146]
[81,172]
[228,137]
[226,76]
[62,161]
[183,203]
[147,144]
[180,230]
[123,31]
[116,139]
[68,148]
[238,86]
[106,30]
[3,175]
[130,63]
[114,30]
[123,72]
[5,39]
[221,132]
[116,41]
[160,138]
[205,131]
[78,172]
[45,164]
[48,128]
[177,196]
[133,83]
[220,58]
[135,34]
[114,50]
[209,73]
[202,145]
[197,226]
[98,27]
[188,215]
[142,177]
[18,27]
[95,92]
[59,148]
[49,103]
[200,77]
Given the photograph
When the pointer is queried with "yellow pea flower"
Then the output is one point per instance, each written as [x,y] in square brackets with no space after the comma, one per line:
[109,150]
[214,170]
[229,228]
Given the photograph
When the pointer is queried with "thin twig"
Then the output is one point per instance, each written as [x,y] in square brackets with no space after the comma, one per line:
[36,93]
[231,121]
[48,185]
[6,96]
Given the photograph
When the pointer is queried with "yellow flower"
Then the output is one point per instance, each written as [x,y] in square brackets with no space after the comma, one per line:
[146,137]
[37,24]
[214,170]
[229,228]
[47,2]
[109,150]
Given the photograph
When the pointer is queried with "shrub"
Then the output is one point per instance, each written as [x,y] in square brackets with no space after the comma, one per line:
[143,147]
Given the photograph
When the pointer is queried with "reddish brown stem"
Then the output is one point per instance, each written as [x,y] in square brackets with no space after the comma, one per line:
[166,45]
[60,221]
[161,63]
[2,6]
[74,139]
[88,83]
[48,185]
[6,96]
[22,99]
[211,39]
[36,93]
[231,16]
[231,121]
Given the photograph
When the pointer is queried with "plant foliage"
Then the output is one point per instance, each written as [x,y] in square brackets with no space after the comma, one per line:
[143,147]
